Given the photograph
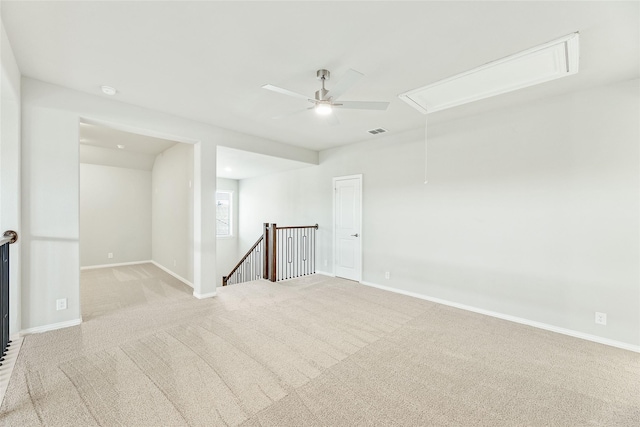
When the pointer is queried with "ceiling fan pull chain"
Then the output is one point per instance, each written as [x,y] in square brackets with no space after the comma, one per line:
[425,150]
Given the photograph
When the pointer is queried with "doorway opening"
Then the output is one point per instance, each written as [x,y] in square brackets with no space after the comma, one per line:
[133,188]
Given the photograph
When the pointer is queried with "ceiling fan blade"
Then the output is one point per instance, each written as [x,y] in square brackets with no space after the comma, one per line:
[284,91]
[362,105]
[345,83]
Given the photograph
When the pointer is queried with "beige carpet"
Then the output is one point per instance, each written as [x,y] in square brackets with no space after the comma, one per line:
[311,351]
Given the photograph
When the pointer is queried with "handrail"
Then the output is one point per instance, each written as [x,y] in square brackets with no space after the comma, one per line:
[239,264]
[280,253]
[291,251]
[9,236]
[297,226]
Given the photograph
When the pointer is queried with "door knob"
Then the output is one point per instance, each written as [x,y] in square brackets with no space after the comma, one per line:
[354,235]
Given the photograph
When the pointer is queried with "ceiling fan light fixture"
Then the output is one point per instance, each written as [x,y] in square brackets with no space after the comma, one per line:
[323,109]
[326,100]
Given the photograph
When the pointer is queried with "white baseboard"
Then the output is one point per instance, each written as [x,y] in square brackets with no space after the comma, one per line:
[324,273]
[203,296]
[51,327]
[120,264]
[523,321]
[166,270]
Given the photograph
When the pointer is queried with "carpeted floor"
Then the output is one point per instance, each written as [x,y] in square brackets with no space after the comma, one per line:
[311,351]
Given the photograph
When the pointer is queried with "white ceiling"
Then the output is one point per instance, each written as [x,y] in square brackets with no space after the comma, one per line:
[99,145]
[208,60]
[103,136]
[239,164]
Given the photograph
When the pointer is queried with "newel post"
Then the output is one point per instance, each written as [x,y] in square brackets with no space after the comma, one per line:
[265,251]
[273,245]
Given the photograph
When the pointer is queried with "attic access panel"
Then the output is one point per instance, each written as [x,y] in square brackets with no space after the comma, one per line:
[549,61]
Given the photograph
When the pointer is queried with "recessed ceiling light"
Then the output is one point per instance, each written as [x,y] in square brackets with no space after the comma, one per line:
[108,90]
[120,146]
[228,169]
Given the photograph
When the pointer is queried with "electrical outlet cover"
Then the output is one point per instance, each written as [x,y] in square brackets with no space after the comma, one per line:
[601,318]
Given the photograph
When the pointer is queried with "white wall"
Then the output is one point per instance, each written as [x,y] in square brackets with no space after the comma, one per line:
[228,254]
[172,210]
[50,190]
[531,212]
[50,214]
[114,157]
[115,215]
[10,169]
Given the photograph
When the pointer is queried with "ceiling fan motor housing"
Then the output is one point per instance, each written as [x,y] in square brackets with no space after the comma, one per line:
[320,94]
[322,75]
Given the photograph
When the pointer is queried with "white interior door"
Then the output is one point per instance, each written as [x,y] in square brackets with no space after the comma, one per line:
[347,226]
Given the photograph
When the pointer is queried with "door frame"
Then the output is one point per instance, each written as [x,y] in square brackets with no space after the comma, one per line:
[333,227]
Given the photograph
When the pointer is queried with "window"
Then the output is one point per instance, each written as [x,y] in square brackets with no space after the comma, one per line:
[224,204]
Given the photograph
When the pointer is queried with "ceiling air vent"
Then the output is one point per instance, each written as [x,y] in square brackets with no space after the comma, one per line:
[377,131]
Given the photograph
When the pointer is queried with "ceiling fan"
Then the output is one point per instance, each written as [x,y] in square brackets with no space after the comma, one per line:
[326,100]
